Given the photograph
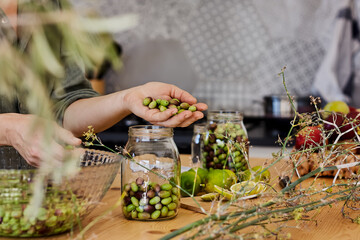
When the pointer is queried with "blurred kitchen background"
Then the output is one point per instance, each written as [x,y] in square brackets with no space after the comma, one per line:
[228,54]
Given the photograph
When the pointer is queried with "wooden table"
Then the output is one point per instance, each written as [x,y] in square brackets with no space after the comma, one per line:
[330,223]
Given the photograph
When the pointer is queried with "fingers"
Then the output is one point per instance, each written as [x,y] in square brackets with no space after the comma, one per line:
[51,154]
[167,91]
[183,95]
[154,115]
[167,118]
[201,106]
[67,137]
[183,119]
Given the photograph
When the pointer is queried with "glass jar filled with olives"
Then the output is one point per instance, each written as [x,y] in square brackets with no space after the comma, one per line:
[225,142]
[150,173]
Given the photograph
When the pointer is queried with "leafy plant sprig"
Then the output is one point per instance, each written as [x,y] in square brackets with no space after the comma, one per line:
[293,202]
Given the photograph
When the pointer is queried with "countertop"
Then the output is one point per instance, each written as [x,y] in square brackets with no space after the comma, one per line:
[329,222]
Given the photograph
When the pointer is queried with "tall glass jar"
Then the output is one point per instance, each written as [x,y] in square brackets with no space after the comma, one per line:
[149,174]
[225,142]
[199,129]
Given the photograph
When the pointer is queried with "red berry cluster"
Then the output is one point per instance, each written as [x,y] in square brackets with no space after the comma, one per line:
[336,124]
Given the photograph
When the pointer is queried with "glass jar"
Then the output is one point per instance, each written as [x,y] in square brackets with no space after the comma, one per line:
[150,173]
[199,129]
[225,142]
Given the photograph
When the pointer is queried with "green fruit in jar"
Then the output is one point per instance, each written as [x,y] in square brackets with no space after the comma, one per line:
[166,186]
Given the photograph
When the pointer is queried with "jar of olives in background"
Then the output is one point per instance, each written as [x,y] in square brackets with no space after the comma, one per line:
[225,142]
[149,174]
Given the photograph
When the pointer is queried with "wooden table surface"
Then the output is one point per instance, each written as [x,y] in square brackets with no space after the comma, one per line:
[330,223]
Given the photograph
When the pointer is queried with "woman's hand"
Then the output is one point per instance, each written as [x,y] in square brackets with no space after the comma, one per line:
[35,139]
[135,96]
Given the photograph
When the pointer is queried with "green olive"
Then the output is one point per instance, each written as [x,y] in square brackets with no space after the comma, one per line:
[162,108]
[166,201]
[175,190]
[164,211]
[166,186]
[172,106]
[147,101]
[158,206]
[164,194]
[152,105]
[134,214]
[175,199]
[134,187]
[144,215]
[184,106]
[135,201]
[192,108]
[171,213]
[175,102]
[164,102]
[155,214]
[130,207]
[172,206]
[154,200]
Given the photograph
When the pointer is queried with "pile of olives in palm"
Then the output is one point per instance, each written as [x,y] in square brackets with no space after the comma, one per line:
[225,145]
[150,201]
[163,104]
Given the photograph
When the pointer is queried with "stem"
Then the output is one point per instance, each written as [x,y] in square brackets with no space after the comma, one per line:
[310,174]
[253,212]
[211,217]
[310,208]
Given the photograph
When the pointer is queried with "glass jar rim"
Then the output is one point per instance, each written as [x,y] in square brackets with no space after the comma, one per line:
[225,114]
[150,131]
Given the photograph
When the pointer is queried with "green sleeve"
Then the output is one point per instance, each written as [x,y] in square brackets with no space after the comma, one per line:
[73,87]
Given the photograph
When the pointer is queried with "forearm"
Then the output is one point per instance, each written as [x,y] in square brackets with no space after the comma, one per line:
[8,123]
[99,112]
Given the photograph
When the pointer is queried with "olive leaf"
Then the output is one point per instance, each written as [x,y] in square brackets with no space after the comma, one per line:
[45,55]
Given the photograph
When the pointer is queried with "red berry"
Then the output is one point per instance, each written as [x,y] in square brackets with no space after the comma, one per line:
[308,137]
[352,109]
[352,121]
[335,119]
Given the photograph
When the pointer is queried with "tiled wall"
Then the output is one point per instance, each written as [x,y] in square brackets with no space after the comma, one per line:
[226,52]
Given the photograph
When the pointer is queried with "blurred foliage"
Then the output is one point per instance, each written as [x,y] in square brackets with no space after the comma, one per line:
[49,39]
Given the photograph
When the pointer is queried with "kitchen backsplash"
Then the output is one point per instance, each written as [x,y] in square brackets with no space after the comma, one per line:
[227,53]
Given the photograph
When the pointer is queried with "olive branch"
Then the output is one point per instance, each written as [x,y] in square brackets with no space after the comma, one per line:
[293,202]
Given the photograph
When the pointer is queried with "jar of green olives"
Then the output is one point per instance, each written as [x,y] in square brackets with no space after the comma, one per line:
[150,174]
[225,142]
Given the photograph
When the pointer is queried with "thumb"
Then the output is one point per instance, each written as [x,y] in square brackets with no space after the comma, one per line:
[67,137]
